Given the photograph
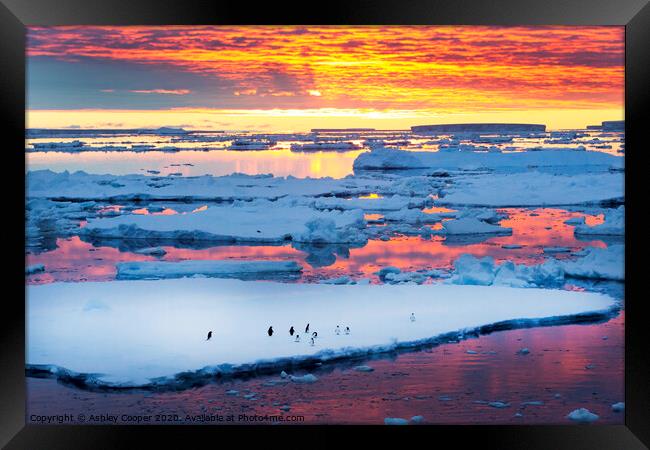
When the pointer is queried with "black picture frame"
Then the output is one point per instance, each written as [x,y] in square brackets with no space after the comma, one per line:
[16,14]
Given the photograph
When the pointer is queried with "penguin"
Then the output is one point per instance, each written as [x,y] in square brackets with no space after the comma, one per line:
[297,338]
[311,342]
[307,329]
[412,317]
[314,335]
[209,335]
[270,331]
[291,331]
[338,330]
[347,330]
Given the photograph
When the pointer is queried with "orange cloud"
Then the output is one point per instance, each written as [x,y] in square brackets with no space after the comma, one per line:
[442,68]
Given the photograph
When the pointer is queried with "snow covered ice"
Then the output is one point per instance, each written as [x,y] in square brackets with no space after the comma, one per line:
[214,268]
[162,324]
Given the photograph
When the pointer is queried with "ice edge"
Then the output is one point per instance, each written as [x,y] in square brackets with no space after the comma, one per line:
[192,379]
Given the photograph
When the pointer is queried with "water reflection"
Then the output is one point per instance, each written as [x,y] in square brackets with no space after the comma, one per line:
[569,367]
[73,259]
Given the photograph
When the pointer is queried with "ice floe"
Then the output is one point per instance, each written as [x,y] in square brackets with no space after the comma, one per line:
[135,270]
[598,263]
[534,189]
[582,415]
[263,223]
[382,158]
[83,186]
[163,323]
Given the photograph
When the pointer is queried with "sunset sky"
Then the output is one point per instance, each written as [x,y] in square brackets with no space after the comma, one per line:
[295,78]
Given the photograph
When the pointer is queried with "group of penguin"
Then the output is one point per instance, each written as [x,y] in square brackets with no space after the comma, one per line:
[314,334]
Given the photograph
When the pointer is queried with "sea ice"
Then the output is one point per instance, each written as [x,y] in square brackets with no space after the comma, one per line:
[395,421]
[598,263]
[618,407]
[135,270]
[153,332]
[383,158]
[34,268]
[533,189]
[582,415]
[260,223]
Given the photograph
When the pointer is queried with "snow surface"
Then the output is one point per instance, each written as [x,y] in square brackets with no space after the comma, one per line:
[81,185]
[534,189]
[131,333]
[136,270]
[382,158]
[264,222]
[598,263]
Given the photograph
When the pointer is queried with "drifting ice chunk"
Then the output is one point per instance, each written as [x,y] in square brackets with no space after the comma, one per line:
[382,158]
[484,271]
[305,379]
[395,421]
[132,342]
[582,415]
[599,263]
[152,251]
[618,407]
[224,268]
[34,268]
[556,250]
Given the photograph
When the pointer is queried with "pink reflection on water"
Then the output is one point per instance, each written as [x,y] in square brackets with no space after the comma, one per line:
[568,367]
[164,212]
[76,260]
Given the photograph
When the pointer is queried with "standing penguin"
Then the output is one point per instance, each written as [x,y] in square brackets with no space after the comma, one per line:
[338,330]
[311,342]
[270,331]
[307,329]
[297,338]
[412,317]
[347,330]
[291,331]
[209,335]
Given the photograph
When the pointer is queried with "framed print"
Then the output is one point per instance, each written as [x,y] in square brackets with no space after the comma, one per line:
[408,215]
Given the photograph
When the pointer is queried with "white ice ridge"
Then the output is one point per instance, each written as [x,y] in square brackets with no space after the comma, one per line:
[534,189]
[383,158]
[135,333]
[81,185]
[135,270]
[237,224]
[595,263]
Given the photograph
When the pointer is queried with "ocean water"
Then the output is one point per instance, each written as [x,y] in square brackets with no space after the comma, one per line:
[569,367]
